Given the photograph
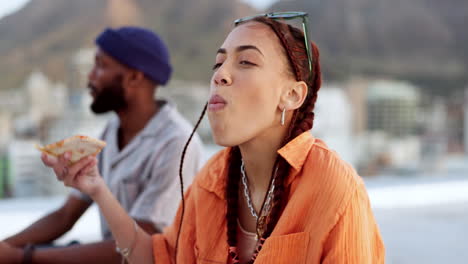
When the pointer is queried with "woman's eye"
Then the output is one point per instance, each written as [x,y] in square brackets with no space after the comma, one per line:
[244,62]
[216,66]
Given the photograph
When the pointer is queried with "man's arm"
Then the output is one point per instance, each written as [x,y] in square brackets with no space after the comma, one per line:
[51,226]
[95,253]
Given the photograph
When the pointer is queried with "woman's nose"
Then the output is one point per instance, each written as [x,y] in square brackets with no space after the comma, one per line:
[222,77]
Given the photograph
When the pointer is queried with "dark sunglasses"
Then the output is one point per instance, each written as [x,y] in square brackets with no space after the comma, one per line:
[286,16]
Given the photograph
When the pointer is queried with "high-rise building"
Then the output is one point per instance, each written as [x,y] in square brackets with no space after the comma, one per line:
[334,122]
[393,107]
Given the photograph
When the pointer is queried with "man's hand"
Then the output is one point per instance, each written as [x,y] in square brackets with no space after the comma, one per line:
[82,175]
[9,254]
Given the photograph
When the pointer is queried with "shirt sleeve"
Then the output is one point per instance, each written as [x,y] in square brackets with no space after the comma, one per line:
[164,244]
[158,201]
[356,238]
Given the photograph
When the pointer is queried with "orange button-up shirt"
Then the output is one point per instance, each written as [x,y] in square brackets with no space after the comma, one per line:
[327,218]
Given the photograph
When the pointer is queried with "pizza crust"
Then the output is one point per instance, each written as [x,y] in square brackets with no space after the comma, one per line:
[79,146]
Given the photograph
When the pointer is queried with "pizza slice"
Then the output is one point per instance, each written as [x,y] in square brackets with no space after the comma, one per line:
[79,146]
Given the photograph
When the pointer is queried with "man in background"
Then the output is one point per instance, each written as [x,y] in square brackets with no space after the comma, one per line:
[140,163]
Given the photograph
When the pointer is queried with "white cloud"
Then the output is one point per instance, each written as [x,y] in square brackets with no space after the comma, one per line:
[9,6]
[260,4]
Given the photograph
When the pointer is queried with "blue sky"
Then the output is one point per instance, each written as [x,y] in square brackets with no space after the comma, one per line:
[9,6]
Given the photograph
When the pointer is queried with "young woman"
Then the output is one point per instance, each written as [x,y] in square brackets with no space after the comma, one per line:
[276,194]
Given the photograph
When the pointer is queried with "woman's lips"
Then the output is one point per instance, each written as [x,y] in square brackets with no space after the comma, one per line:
[216,103]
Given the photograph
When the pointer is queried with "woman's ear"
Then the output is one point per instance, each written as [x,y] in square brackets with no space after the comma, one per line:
[294,96]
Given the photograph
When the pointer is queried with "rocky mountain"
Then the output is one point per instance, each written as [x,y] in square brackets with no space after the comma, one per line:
[420,40]
[46,33]
[423,41]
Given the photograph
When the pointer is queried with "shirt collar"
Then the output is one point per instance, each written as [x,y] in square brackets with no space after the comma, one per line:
[294,152]
[214,173]
[156,123]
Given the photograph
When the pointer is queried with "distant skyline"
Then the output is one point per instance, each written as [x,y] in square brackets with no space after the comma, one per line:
[9,6]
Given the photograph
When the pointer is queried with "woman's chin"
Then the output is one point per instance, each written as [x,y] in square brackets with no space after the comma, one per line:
[219,133]
[226,140]
[225,136]
[222,141]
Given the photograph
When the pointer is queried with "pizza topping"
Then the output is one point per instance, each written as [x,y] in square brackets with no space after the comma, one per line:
[79,146]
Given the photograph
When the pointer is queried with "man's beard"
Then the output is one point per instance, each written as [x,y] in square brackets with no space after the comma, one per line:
[109,98]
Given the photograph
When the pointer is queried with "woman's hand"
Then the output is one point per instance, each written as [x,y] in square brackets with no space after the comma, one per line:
[9,254]
[82,175]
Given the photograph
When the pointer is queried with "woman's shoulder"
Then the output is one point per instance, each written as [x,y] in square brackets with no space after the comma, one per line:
[334,180]
[212,175]
[331,167]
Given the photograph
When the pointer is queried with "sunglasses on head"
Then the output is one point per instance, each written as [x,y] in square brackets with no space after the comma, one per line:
[286,16]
